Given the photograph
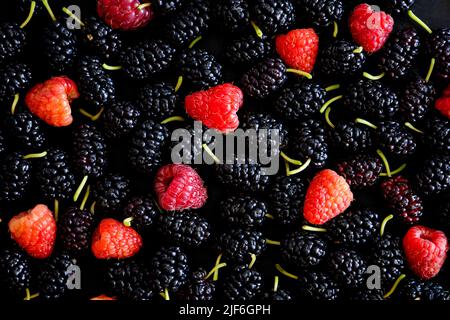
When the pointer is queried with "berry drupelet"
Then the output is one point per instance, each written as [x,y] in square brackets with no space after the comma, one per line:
[75,228]
[273,16]
[399,53]
[145,149]
[15,177]
[232,15]
[53,276]
[437,136]
[12,41]
[197,288]
[340,59]
[286,197]
[89,151]
[142,211]
[184,228]
[242,284]
[321,13]
[111,192]
[15,271]
[101,38]
[300,100]
[395,138]
[303,249]
[54,176]
[169,269]
[413,289]
[14,79]
[199,68]
[439,49]
[239,244]
[248,50]
[26,132]
[158,101]
[416,100]
[347,268]
[351,137]
[361,171]
[372,99]
[120,118]
[318,286]
[434,176]
[130,280]
[243,211]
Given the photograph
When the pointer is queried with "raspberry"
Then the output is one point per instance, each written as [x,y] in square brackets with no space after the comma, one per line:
[370,28]
[179,187]
[124,14]
[443,104]
[425,250]
[216,107]
[35,231]
[50,100]
[328,195]
[112,239]
[298,48]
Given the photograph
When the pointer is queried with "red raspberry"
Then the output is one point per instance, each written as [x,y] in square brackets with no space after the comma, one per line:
[112,239]
[179,187]
[298,49]
[35,231]
[216,107]
[328,195]
[369,27]
[425,250]
[51,100]
[443,104]
[124,14]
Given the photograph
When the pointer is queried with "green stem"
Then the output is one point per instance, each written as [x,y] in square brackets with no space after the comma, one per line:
[275,284]
[329,102]
[179,83]
[92,208]
[172,119]
[273,242]
[74,17]
[14,104]
[327,118]
[86,196]
[358,50]
[383,224]
[365,122]
[290,160]
[372,77]
[56,209]
[194,42]
[214,269]
[35,155]
[300,73]
[258,31]
[93,117]
[396,171]
[216,272]
[80,189]
[49,10]
[268,215]
[315,229]
[386,163]
[410,126]
[252,262]
[284,272]
[396,283]
[335,29]
[111,68]
[30,15]
[430,69]
[417,20]
[298,170]
[143,5]
[127,221]
[211,154]
[332,87]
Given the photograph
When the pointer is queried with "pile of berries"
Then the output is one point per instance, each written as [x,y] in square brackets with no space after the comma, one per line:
[87,179]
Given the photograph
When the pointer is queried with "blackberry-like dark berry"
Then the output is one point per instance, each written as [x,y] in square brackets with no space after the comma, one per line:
[401,198]
[248,50]
[309,140]
[111,193]
[279,295]
[372,99]
[264,121]
[59,46]
[367,295]
[318,286]
[398,6]
[169,269]
[239,244]
[286,197]
[264,79]
[387,253]
[95,85]
[89,151]
[417,100]
[147,142]
[347,268]
[413,289]
[54,175]
[340,59]
[143,212]
[242,284]
[14,79]
[15,177]
[101,38]
[129,279]
[243,211]
[439,49]
[15,273]
[434,176]
[322,13]
[199,68]
[197,288]
[356,227]
[189,23]
[146,59]
[300,100]
[273,16]
[164,7]
[120,118]
[26,132]
[444,214]
[184,228]
[399,53]
[395,138]
[12,40]
[437,136]
[232,15]
[303,249]
[158,101]
[351,137]
[361,171]
[52,277]
[75,228]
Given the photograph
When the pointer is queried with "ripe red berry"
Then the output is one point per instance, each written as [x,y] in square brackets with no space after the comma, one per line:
[298,49]
[51,100]
[328,195]
[179,187]
[216,107]
[370,28]
[124,14]
[35,231]
[425,250]
[112,239]
[443,103]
